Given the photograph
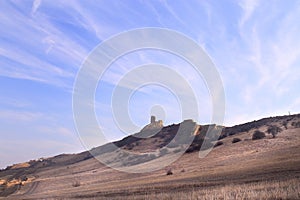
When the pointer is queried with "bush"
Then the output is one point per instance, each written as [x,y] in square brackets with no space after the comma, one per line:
[296,124]
[76,184]
[285,123]
[274,130]
[235,140]
[24,178]
[169,172]
[257,135]
[219,143]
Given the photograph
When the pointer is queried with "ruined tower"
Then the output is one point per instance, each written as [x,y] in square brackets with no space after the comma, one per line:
[152,120]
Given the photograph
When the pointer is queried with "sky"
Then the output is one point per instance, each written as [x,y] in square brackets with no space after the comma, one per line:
[255,46]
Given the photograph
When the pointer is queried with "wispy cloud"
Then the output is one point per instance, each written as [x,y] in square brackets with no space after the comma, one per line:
[248,7]
[14,115]
[57,130]
[173,13]
[36,4]
[12,102]
[45,54]
[273,58]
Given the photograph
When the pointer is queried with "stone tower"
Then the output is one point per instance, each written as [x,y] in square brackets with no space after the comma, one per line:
[152,119]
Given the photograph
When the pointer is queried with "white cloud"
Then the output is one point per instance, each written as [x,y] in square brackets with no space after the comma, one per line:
[32,41]
[15,103]
[248,7]
[36,4]
[13,115]
[56,130]
[173,13]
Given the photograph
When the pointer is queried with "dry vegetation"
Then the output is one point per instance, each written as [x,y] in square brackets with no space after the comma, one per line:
[268,168]
[266,190]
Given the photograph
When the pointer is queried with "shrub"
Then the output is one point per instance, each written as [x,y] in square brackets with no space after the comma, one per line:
[169,172]
[76,184]
[235,140]
[193,148]
[285,123]
[24,178]
[296,124]
[219,143]
[257,135]
[274,130]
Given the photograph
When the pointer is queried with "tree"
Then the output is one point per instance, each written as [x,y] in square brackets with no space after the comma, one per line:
[296,124]
[274,130]
[285,123]
[257,135]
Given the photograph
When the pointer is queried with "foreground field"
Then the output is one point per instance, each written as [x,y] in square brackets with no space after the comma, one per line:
[289,189]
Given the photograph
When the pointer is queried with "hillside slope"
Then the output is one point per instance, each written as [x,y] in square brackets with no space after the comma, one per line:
[262,164]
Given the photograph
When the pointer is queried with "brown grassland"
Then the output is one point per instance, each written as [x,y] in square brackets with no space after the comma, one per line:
[268,168]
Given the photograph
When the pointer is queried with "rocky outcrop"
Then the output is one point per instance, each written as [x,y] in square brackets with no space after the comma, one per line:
[153,124]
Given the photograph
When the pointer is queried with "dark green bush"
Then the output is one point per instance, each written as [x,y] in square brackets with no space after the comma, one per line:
[235,140]
[296,124]
[219,143]
[274,130]
[285,124]
[257,135]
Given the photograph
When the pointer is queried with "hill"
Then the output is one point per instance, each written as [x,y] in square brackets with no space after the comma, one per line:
[238,167]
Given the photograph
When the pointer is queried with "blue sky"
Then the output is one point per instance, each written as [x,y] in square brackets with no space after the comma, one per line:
[255,46]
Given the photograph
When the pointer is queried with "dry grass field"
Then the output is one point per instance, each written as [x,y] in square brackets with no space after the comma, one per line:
[288,189]
[268,168]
